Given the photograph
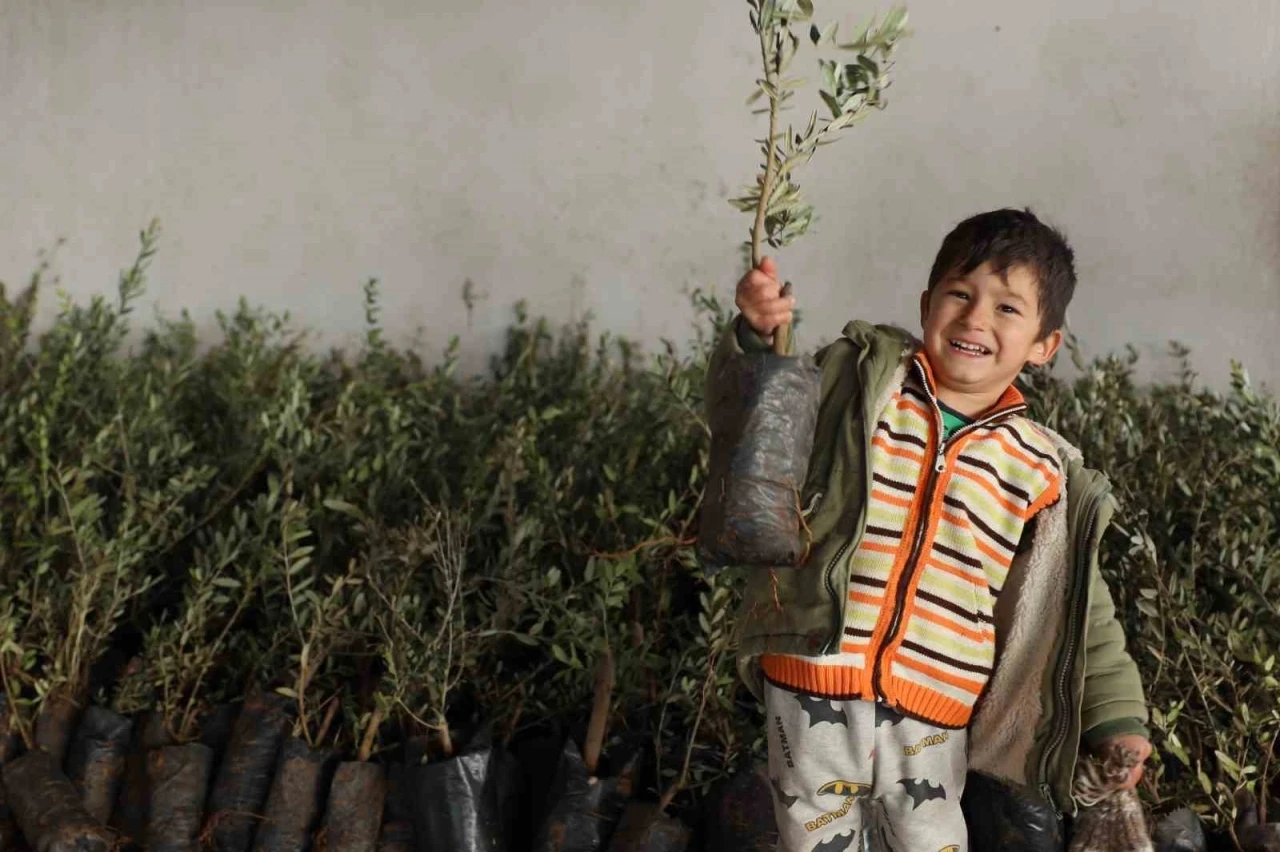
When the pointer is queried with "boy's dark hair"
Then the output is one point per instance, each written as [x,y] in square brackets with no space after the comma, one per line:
[1009,238]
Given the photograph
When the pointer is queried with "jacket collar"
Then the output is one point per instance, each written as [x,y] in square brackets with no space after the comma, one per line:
[892,342]
[1010,401]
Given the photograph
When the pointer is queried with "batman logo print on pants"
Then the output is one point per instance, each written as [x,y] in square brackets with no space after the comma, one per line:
[839,843]
[822,710]
[954,847]
[922,791]
[855,789]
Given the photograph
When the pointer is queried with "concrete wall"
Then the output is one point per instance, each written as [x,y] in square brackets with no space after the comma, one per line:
[579,154]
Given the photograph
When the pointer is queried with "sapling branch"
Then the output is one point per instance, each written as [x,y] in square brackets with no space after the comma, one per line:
[424,631]
[766,180]
[331,713]
[191,702]
[16,718]
[852,91]
[682,779]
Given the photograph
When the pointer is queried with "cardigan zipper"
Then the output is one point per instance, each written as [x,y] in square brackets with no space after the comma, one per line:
[913,559]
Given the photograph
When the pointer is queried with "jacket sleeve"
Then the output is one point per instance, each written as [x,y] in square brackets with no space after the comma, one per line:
[738,338]
[1113,702]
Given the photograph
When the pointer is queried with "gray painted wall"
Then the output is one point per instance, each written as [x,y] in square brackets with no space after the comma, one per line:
[579,154]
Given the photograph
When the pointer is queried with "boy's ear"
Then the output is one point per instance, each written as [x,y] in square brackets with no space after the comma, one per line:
[1043,350]
[924,306]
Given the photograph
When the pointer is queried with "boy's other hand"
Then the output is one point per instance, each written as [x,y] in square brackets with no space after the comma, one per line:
[1137,743]
[759,298]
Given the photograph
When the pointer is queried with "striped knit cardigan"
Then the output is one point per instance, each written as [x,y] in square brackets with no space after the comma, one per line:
[942,528]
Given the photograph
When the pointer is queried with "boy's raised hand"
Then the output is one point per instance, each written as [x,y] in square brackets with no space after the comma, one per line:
[759,298]
[1136,743]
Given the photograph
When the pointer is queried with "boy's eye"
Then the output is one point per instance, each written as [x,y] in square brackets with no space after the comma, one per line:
[1009,309]
[959,294]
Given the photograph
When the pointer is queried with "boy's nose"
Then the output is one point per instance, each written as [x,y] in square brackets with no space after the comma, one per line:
[975,318]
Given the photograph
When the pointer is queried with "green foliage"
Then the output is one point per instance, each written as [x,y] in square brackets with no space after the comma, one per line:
[424,550]
[99,482]
[186,647]
[850,91]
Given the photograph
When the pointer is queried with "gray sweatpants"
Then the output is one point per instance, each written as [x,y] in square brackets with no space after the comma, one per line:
[839,767]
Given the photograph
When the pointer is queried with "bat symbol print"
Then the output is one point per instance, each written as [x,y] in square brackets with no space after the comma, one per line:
[922,791]
[855,789]
[821,710]
[885,713]
[839,843]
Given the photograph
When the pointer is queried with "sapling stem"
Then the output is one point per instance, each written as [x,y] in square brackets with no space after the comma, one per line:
[596,726]
[781,334]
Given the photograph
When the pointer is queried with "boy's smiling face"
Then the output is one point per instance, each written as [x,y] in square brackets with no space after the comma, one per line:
[980,330]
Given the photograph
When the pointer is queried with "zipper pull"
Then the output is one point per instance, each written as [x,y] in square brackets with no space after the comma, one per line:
[940,463]
[1047,792]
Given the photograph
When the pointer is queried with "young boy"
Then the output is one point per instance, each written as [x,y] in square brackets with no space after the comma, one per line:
[950,615]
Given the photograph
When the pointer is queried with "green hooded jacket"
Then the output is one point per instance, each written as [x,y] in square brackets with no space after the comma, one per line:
[1055,621]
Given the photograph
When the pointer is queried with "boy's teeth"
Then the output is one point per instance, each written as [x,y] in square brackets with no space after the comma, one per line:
[969,347]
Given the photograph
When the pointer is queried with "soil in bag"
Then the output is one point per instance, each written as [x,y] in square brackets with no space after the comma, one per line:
[243,780]
[54,724]
[739,814]
[217,725]
[294,804]
[178,780]
[48,809]
[538,753]
[466,803]
[585,808]
[762,428]
[588,796]
[166,785]
[9,745]
[1251,831]
[644,828]
[9,834]
[397,807]
[95,761]
[353,817]
[129,816]
[396,836]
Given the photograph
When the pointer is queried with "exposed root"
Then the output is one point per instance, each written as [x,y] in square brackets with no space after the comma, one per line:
[211,825]
[644,545]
